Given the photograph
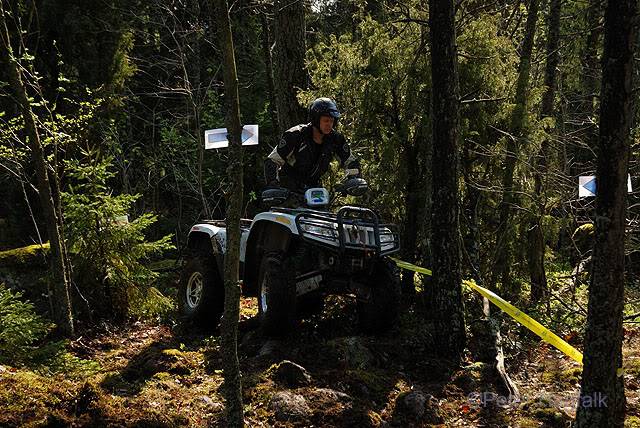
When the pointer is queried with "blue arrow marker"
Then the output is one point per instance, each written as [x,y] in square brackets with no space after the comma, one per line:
[590,186]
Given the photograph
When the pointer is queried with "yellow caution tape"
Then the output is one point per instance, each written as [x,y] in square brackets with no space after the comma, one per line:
[524,319]
[409,266]
[545,334]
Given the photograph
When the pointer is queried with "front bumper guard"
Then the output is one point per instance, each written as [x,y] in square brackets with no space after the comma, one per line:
[352,228]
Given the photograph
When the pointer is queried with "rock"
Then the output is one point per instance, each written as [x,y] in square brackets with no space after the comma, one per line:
[291,374]
[156,360]
[25,257]
[328,401]
[542,409]
[270,347]
[418,406]
[583,237]
[289,406]
[369,383]
[412,404]
[351,351]
[250,342]
[332,394]
[471,378]
[214,405]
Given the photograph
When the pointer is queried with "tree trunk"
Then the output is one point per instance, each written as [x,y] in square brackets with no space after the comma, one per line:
[289,73]
[471,204]
[405,112]
[412,213]
[485,342]
[192,69]
[266,51]
[59,291]
[603,336]
[448,311]
[230,363]
[425,149]
[589,78]
[536,248]
[518,127]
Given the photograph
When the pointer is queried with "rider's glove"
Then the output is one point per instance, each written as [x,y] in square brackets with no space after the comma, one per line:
[353,173]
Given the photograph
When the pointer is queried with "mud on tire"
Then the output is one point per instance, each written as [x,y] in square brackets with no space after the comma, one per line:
[379,312]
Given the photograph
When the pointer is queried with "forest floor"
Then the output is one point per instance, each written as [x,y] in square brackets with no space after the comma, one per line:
[160,375]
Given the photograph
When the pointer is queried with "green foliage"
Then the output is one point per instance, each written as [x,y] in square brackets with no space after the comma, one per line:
[380,74]
[21,329]
[565,314]
[12,152]
[108,249]
[23,335]
[172,163]
[53,358]
[149,303]
[378,77]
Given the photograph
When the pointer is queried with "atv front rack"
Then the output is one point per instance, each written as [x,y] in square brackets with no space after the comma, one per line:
[351,228]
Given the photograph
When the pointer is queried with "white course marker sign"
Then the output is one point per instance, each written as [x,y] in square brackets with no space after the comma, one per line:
[217,138]
[587,185]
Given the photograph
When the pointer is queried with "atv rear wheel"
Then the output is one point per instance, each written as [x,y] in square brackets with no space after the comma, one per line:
[201,295]
[379,312]
[277,294]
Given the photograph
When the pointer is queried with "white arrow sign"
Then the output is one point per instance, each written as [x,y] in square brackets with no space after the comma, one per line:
[587,185]
[217,138]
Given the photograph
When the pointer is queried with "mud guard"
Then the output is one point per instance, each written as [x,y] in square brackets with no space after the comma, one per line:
[265,236]
[202,241]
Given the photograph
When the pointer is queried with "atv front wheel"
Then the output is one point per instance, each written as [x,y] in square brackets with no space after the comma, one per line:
[379,312]
[310,304]
[277,297]
[201,294]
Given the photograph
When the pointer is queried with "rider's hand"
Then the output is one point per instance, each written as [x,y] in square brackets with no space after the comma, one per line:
[352,173]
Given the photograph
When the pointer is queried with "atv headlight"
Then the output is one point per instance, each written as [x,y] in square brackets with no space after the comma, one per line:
[320,229]
[386,235]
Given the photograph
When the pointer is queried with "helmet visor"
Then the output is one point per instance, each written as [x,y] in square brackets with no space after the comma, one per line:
[333,113]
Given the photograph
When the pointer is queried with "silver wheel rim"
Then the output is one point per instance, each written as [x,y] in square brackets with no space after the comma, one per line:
[195,285]
[263,294]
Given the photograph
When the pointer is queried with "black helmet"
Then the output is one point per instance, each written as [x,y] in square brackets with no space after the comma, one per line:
[323,107]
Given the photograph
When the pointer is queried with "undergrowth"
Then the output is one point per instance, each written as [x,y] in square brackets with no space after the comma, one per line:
[23,340]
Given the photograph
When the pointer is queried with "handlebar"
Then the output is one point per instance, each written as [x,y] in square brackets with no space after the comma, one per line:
[354,186]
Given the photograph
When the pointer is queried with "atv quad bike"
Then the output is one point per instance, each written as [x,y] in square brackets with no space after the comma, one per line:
[291,258]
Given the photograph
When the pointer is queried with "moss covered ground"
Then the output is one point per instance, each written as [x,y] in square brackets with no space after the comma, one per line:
[158,375]
[165,374]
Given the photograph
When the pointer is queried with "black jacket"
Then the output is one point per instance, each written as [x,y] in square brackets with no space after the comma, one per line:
[298,162]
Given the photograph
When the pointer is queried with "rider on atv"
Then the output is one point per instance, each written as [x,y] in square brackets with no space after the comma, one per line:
[305,151]
[299,251]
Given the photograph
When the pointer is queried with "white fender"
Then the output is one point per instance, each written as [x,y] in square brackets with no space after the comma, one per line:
[285,219]
[220,236]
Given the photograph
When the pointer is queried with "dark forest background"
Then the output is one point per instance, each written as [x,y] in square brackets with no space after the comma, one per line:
[119,94]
